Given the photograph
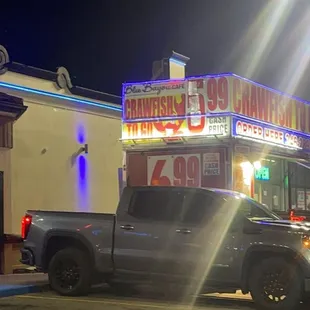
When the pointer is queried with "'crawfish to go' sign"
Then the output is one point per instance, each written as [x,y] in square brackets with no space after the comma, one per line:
[215,94]
[186,127]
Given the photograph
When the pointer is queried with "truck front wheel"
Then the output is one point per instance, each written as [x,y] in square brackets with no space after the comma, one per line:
[69,272]
[276,284]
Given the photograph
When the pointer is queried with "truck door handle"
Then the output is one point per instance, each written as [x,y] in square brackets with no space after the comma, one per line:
[183,231]
[127,227]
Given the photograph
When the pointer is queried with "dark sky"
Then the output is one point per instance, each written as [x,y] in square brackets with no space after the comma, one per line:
[105,43]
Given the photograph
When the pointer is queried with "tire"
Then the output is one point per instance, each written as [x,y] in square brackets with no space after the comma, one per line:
[69,272]
[276,275]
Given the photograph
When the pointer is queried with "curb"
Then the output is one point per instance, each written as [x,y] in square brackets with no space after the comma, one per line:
[14,290]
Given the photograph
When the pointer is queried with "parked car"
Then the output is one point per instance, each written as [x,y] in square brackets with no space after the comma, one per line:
[205,240]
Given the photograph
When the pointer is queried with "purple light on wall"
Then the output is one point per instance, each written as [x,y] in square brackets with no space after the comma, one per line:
[82,183]
[81,134]
[83,188]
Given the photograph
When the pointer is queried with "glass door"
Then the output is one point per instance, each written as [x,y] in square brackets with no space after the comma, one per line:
[269,184]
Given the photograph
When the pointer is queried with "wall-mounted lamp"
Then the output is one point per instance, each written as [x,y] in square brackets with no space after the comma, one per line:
[84,148]
[81,150]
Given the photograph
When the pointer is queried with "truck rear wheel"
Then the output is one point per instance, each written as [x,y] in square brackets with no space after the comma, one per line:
[69,272]
[276,284]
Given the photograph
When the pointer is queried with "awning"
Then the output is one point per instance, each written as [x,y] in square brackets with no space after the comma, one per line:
[11,108]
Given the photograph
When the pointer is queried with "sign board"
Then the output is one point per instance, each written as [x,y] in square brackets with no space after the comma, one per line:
[211,164]
[174,170]
[173,104]
[171,99]
[264,133]
[186,127]
[301,199]
[262,174]
[267,105]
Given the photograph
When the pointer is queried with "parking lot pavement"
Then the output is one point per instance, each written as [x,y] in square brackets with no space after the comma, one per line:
[18,284]
[51,301]
[23,279]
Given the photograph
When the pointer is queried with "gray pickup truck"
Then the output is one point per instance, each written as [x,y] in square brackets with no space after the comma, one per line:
[202,240]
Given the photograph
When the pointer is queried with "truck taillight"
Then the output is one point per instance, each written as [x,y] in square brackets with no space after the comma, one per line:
[26,222]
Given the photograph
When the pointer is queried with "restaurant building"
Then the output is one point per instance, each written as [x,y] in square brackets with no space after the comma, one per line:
[59,147]
[221,131]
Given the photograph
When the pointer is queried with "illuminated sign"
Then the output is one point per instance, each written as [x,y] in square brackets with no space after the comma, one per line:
[259,102]
[174,99]
[269,134]
[262,174]
[216,94]
[186,127]
[155,100]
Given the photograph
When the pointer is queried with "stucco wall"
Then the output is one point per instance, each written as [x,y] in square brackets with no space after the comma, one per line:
[5,166]
[43,174]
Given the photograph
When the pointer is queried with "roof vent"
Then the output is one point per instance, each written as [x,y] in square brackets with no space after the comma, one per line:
[170,68]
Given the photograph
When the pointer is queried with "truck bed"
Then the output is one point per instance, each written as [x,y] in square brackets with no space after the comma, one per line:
[96,230]
[71,214]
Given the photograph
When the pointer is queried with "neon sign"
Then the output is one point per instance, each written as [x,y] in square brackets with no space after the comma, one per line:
[264,133]
[262,174]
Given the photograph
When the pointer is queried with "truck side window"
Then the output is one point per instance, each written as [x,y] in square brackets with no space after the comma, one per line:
[158,205]
[198,208]
[252,211]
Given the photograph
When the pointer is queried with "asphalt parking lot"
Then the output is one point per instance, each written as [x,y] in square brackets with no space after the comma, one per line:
[49,300]
[107,300]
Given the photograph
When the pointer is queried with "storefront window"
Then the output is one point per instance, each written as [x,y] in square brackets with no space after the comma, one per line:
[300,186]
[279,183]
[269,188]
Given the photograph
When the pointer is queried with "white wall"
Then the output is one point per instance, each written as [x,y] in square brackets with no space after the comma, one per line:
[42,174]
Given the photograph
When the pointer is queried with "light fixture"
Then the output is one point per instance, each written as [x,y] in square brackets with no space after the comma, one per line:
[58,96]
[81,150]
[257,164]
[247,171]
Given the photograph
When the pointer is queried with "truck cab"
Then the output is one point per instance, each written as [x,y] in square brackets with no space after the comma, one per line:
[208,240]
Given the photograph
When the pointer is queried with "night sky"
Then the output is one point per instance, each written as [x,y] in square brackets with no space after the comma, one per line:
[105,43]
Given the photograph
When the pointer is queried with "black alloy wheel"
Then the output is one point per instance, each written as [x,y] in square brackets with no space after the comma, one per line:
[69,272]
[276,283]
